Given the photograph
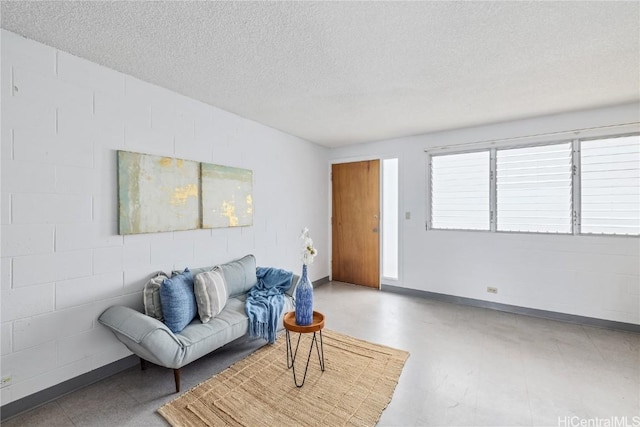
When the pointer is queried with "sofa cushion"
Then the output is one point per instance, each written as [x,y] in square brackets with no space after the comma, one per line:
[199,339]
[211,294]
[151,296]
[195,271]
[240,275]
[178,301]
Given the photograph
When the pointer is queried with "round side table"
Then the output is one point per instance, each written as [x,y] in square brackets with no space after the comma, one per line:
[315,327]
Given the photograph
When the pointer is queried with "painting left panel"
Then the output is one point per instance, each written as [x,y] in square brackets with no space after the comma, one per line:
[157,193]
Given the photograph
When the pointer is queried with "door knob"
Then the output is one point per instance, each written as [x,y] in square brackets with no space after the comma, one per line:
[375,230]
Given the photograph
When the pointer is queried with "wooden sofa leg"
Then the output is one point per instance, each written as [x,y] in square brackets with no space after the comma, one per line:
[143,364]
[176,376]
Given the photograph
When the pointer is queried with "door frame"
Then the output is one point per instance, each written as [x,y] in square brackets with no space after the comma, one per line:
[382,280]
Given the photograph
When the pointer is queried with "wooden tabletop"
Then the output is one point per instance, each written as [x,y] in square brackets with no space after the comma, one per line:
[290,324]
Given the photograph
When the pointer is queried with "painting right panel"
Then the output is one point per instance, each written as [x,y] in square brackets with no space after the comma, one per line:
[227,199]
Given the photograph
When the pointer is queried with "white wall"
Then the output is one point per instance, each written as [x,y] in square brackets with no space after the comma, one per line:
[582,275]
[62,260]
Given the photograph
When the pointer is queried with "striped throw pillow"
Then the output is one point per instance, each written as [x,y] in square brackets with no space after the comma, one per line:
[151,293]
[211,294]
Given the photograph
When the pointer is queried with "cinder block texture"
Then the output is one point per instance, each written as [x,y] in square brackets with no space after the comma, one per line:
[63,120]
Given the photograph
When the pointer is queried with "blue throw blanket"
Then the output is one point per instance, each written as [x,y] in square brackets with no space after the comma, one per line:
[265,302]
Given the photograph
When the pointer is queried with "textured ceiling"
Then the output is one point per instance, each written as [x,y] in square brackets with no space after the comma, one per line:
[338,73]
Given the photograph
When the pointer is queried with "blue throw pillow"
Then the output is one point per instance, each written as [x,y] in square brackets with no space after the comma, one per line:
[178,301]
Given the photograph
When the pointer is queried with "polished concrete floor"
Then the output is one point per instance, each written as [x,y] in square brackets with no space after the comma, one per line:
[468,367]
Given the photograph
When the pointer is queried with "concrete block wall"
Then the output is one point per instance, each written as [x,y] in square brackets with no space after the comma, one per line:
[62,260]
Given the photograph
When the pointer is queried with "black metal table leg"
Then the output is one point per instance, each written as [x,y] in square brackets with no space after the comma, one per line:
[320,351]
[291,355]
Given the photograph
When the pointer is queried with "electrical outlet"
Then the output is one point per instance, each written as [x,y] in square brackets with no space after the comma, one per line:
[5,380]
[492,290]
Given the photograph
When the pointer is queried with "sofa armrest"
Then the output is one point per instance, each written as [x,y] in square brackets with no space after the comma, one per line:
[132,324]
[292,290]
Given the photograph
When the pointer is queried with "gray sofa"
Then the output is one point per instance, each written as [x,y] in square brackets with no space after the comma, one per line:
[153,341]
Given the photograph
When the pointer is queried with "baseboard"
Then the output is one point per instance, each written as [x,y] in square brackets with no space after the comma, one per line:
[321,281]
[42,397]
[551,315]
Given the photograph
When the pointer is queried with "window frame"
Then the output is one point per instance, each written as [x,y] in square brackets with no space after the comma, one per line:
[578,170]
[576,179]
[430,192]
[494,207]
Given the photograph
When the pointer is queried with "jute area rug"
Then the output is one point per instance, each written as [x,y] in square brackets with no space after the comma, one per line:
[356,386]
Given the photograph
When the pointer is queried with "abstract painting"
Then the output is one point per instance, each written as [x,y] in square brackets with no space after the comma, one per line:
[157,193]
[227,196]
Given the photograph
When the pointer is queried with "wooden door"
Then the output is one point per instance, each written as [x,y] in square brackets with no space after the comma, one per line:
[355,223]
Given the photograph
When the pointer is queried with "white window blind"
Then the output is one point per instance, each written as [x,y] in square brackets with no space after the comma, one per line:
[460,191]
[610,185]
[533,190]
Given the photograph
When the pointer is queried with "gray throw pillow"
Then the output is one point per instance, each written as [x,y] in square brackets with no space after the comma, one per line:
[151,295]
[211,294]
[240,275]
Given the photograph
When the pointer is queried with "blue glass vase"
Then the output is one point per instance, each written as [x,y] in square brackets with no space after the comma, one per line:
[304,299]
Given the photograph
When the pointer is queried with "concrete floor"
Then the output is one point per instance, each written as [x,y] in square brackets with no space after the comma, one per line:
[468,367]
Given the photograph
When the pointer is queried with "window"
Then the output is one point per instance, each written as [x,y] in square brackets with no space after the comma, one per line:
[390,218]
[610,185]
[534,189]
[580,187]
[460,191]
